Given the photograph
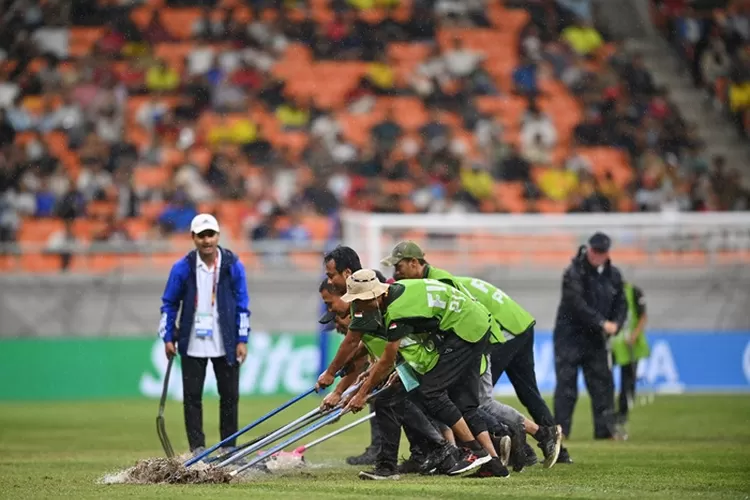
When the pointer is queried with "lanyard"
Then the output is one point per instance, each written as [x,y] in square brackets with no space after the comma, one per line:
[214,285]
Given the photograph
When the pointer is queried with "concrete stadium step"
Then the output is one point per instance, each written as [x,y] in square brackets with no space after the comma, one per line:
[714,128]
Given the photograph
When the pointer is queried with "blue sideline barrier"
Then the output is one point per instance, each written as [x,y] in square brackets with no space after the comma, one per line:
[680,362]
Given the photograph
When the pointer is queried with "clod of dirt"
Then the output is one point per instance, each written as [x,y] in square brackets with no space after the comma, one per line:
[168,471]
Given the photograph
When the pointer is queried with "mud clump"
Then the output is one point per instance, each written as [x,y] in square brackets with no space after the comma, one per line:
[169,471]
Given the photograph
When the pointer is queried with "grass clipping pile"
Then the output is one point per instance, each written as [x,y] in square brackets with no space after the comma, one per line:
[169,471]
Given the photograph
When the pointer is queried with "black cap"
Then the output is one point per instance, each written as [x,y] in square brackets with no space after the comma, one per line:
[327,317]
[600,242]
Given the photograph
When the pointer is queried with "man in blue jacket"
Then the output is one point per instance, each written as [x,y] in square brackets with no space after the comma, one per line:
[209,290]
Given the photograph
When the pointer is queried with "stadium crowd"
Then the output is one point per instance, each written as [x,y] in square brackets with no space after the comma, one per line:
[140,114]
[713,39]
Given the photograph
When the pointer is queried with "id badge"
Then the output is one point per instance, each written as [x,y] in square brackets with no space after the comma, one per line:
[408,379]
[204,325]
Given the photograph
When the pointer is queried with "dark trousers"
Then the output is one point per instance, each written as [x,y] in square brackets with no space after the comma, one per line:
[392,411]
[450,390]
[374,431]
[516,358]
[599,383]
[627,388]
[227,380]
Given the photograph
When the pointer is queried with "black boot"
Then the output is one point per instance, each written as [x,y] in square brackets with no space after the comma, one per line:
[412,466]
[564,456]
[531,458]
[366,458]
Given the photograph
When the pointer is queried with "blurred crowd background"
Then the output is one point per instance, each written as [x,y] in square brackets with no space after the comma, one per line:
[122,119]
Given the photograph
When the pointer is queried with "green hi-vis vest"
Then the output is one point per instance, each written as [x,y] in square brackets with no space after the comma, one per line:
[509,316]
[507,312]
[622,353]
[374,345]
[419,352]
[434,273]
[415,349]
[455,311]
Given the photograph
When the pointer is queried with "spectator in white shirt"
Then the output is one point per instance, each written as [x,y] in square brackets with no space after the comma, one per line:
[94,181]
[536,123]
[150,113]
[532,45]
[326,127]
[578,163]
[461,62]
[429,73]
[109,125]
[535,150]
[67,117]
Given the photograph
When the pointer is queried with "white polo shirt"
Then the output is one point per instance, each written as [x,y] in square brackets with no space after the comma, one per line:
[206,278]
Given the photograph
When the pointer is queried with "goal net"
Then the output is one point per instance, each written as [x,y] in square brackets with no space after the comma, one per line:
[473,243]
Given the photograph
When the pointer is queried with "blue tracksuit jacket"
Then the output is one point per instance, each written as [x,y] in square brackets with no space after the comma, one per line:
[231,297]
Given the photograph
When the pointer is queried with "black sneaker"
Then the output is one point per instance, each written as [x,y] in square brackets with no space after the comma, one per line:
[469,460]
[531,458]
[493,468]
[550,440]
[441,460]
[411,466]
[564,456]
[379,474]
[366,458]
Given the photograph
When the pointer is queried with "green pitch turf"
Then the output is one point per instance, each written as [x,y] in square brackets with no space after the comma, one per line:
[680,447]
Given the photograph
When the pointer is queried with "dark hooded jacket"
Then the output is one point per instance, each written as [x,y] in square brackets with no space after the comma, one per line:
[589,297]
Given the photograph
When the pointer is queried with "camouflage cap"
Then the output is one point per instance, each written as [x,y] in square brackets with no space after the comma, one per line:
[404,250]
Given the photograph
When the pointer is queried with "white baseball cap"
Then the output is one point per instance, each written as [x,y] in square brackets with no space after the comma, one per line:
[204,222]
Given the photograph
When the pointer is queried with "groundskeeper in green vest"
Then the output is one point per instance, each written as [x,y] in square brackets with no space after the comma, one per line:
[430,307]
[408,259]
[624,352]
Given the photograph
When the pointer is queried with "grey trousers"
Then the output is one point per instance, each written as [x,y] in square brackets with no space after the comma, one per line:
[502,412]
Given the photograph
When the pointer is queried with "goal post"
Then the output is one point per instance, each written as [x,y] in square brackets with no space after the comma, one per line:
[466,242]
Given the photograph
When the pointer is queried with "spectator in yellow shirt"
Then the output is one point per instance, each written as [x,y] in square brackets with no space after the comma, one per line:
[162,78]
[292,115]
[477,181]
[380,76]
[583,38]
[739,96]
[739,102]
[558,184]
[371,4]
[238,131]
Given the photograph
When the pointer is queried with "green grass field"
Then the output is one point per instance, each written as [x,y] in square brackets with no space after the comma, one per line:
[680,447]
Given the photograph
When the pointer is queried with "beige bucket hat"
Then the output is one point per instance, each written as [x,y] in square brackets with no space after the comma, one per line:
[364,285]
